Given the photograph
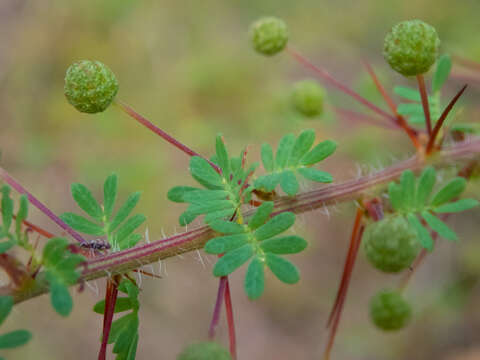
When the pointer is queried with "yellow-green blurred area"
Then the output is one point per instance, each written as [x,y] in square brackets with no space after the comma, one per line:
[188,66]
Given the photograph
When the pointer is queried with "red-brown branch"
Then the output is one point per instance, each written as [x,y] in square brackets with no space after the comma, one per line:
[426,107]
[441,120]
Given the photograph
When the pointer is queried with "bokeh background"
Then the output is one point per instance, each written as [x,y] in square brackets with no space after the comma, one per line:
[188,66]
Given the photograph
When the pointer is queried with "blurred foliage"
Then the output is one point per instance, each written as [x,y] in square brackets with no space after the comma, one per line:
[188,67]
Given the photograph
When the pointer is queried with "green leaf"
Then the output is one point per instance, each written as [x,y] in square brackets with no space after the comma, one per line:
[450,191]
[81,224]
[284,245]
[222,156]
[283,269]
[407,93]
[122,304]
[130,241]
[110,194]
[177,193]
[275,226]
[268,182]
[410,109]
[14,339]
[267,157]
[6,245]
[129,227]
[439,226]
[457,206]
[125,210]
[319,153]
[21,215]
[316,175]
[283,151]
[423,234]
[407,183]
[232,260]
[6,305]
[227,227]
[289,182]
[204,173]
[224,244]
[425,186]
[303,143]
[219,215]
[7,208]
[202,196]
[60,298]
[255,279]
[85,200]
[444,65]
[261,215]
[395,195]
[186,218]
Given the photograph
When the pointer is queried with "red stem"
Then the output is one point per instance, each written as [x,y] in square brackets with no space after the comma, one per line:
[347,265]
[426,108]
[343,296]
[218,307]
[400,120]
[110,300]
[145,122]
[330,79]
[441,120]
[230,321]
[33,200]
[37,229]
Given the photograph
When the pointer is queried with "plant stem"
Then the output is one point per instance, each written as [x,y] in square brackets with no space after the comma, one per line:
[110,301]
[332,81]
[218,307]
[426,107]
[441,120]
[148,124]
[400,120]
[35,202]
[133,258]
[230,321]
[335,314]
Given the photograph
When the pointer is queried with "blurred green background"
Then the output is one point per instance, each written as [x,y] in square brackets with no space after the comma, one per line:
[188,66]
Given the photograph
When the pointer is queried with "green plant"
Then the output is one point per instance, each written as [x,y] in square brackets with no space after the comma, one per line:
[389,311]
[391,244]
[245,215]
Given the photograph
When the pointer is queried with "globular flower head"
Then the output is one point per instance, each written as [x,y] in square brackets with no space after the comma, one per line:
[269,35]
[411,47]
[90,86]
[391,244]
[204,351]
[389,310]
[307,98]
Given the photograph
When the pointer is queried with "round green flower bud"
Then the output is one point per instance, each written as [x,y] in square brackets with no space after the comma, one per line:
[411,47]
[204,351]
[307,98]
[269,35]
[389,310]
[90,86]
[390,244]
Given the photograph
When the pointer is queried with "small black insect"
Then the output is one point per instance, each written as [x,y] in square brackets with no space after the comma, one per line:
[96,244]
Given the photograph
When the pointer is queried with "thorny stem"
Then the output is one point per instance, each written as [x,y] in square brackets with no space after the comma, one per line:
[332,81]
[230,321]
[218,307]
[33,200]
[334,317]
[426,108]
[441,120]
[148,124]
[133,258]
